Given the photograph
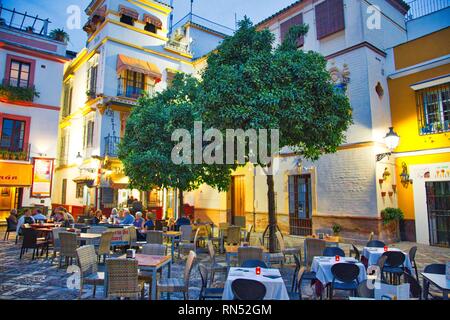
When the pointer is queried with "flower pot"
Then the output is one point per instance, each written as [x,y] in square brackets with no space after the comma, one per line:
[390,193]
[380,181]
[394,188]
[383,194]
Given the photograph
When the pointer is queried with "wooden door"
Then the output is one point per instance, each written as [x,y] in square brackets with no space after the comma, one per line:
[238,196]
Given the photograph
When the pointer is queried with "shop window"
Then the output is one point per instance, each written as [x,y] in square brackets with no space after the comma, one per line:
[79,190]
[433,108]
[127,19]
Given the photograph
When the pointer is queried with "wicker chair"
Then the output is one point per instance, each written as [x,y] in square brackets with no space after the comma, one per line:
[240,221]
[69,247]
[211,237]
[98,230]
[248,234]
[249,253]
[122,278]
[31,241]
[314,247]
[286,251]
[56,241]
[354,251]
[191,246]
[154,249]
[215,266]
[412,258]
[104,248]
[205,291]
[11,227]
[154,237]
[87,262]
[233,235]
[177,284]
[147,276]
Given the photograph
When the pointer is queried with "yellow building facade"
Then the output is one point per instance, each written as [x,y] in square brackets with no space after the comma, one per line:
[420,107]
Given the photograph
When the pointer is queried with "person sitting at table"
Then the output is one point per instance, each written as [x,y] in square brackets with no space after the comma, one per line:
[149,224]
[64,217]
[182,221]
[26,218]
[38,216]
[98,217]
[139,223]
[128,218]
[114,215]
[13,218]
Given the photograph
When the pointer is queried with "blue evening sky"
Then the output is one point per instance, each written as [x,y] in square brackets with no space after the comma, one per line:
[220,11]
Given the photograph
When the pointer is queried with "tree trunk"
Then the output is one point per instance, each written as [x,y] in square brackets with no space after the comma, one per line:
[272,213]
[181,203]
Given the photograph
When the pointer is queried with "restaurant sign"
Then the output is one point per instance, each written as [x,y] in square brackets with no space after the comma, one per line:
[15,174]
[42,178]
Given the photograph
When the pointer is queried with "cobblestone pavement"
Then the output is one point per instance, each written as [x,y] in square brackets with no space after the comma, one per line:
[43,279]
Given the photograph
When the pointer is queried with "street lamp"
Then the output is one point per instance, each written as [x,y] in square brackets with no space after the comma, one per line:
[79,159]
[391,141]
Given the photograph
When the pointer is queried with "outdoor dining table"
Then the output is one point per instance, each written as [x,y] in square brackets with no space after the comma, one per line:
[271,278]
[322,267]
[172,235]
[42,225]
[330,241]
[152,263]
[439,280]
[88,237]
[232,251]
[373,254]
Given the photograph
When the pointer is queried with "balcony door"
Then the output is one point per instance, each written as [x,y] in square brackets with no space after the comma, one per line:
[12,135]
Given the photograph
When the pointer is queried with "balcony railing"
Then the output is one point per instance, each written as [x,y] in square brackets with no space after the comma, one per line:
[130,89]
[16,154]
[111,146]
[419,8]
[178,46]
[23,21]
[205,23]
[12,92]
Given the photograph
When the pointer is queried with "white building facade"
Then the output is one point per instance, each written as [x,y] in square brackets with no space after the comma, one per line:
[31,66]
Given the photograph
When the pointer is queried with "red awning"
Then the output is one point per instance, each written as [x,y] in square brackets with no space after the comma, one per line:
[153,20]
[129,12]
[137,65]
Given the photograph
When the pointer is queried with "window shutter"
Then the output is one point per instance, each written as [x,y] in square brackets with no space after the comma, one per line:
[286,26]
[329,18]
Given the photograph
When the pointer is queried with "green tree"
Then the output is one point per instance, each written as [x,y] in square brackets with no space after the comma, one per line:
[146,147]
[250,84]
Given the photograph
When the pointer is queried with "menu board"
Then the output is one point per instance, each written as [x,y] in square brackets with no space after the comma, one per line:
[42,178]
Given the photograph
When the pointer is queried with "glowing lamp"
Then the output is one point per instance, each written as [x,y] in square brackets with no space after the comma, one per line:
[79,159]
[391,139]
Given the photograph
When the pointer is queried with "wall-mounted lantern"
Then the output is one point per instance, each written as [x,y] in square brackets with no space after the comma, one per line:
[391,140]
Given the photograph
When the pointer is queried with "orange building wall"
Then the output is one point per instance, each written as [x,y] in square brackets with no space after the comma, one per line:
[404,112]
[429,47]
[405,196]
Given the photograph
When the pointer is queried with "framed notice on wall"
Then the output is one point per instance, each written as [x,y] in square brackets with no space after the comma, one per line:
[42,178]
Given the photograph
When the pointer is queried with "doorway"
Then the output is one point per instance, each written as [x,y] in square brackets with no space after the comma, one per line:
[300,209]
[438,207]
[237,197]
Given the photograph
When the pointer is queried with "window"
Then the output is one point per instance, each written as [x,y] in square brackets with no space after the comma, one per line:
[67,103]
[150,27]
[63,147]
[132,84]
[286,26]
[92,81]
[13,135]
[79,190]
[127,19]
[19,74]
[329,18]
[88,140]
[433,107]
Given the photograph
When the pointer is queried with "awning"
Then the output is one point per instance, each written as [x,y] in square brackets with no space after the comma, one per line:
[431,82]
[153,20]
[101,11]
[129,12]
[15,174]
[136,65]
[119,181]
[87,180]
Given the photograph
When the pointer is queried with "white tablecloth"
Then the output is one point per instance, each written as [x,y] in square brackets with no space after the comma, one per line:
[276,289]
[322,267]
[373,254]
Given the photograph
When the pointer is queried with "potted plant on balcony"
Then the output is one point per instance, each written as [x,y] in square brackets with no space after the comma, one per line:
[391,223]
[59,35]
[29,29]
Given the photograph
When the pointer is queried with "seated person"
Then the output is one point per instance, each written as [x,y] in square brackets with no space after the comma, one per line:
[182,221]
[128,219]
[26,218]
[149,224]
[38,216]
[13,218]
[139,225]
[98,217]
[114,216]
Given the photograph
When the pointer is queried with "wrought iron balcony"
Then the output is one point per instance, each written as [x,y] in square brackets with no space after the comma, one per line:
[111,146]
[131,89]
[14,91]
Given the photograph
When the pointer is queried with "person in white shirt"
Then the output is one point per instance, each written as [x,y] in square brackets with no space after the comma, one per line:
[25,218]
[38,216]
